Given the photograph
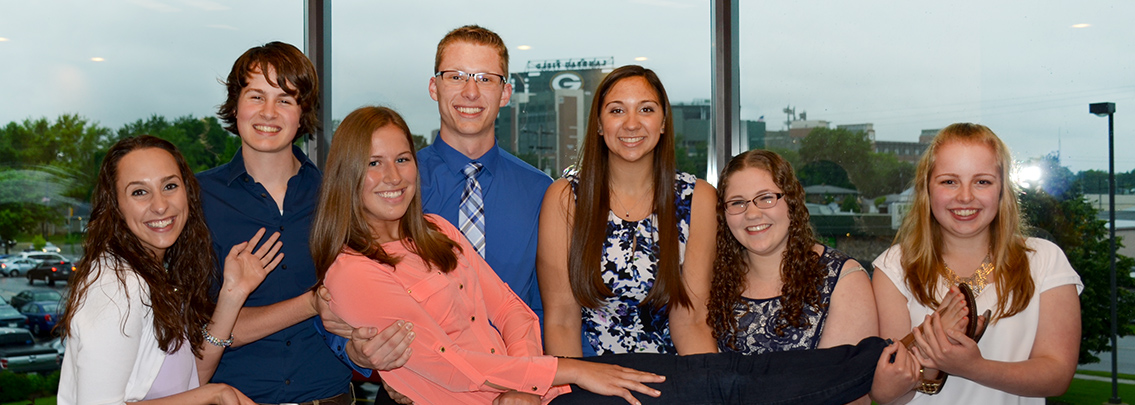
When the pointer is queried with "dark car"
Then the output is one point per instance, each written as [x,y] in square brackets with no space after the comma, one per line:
[27,296]
[41,315]
[50,271]
[10,317]
[19,353]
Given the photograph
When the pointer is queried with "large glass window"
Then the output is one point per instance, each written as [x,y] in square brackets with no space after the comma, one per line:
[384,54]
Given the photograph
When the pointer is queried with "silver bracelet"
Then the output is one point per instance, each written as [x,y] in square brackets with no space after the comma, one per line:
[213,339]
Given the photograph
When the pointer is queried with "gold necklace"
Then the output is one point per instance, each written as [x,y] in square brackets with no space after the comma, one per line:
[977,281]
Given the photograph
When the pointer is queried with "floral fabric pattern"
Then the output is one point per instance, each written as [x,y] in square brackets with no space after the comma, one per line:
[630,263]
[757,318]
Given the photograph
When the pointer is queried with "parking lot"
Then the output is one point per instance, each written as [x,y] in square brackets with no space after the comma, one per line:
[10,286]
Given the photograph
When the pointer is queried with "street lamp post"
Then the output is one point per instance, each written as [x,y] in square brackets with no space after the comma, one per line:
[1108,109]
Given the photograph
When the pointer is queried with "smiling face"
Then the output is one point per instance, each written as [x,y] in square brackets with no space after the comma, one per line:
[151,198]
[468,109]
[965,189]
[390,182]
[631,119]
[267,118]
[763,232]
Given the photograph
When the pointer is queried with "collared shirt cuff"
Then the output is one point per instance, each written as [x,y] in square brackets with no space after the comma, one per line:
[338,345]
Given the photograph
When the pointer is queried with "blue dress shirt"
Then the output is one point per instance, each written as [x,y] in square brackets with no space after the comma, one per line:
[294,364]
[512,191]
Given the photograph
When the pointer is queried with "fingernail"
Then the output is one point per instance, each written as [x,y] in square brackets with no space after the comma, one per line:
[409,326]
[400,323]
[411,335]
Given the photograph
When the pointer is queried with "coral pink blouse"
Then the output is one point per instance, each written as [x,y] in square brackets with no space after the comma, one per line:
[457,352]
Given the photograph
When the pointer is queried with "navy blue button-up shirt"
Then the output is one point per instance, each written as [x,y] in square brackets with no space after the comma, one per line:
[294,364]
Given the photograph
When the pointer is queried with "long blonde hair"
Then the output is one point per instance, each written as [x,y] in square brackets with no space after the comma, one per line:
[921,235]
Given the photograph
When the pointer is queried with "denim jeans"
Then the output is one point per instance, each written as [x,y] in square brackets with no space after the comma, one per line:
[824,376]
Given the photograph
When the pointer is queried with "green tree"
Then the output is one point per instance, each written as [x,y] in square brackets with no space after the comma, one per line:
[1073,226]
[203,141]
[71,147]
[823,172]
[871,173]
[692,157]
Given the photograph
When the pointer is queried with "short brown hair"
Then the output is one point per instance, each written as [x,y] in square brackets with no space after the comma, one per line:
[295,74]
[473,34]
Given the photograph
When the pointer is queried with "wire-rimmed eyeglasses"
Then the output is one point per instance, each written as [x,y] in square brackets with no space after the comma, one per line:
[763,201]
[459,78]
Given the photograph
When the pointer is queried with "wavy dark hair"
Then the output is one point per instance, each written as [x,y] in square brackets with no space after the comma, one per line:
[179,297]
[340,219]
[294,73]
[800,269]
[589,225]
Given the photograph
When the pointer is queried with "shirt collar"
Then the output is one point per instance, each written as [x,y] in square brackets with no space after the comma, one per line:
[236,165]
[456,161]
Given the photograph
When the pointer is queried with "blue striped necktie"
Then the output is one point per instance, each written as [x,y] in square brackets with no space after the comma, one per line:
[472,216]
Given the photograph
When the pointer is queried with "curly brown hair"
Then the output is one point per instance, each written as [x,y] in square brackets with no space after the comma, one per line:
[800,271]
[179,297]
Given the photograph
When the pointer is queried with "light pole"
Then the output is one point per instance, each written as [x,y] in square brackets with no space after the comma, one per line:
[1108,109]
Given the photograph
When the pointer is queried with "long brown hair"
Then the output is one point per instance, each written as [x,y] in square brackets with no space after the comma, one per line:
[920,235]
[589,226]
[801,273]
[341,218]
[178,297]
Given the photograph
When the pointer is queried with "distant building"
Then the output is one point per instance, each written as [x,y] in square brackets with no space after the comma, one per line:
[927,135]
[905,151]
[545,121]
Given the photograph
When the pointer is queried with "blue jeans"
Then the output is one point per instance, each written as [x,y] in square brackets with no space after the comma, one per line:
[825,376]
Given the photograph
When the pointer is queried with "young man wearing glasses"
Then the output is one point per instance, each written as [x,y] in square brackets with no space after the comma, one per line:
[470,86]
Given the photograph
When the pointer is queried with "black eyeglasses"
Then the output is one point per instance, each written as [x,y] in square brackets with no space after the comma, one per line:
[763,201]
[459,78]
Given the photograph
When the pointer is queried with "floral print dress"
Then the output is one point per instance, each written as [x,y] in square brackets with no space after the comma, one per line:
[630,263]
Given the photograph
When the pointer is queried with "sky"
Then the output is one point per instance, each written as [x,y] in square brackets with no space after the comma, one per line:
[1028,70]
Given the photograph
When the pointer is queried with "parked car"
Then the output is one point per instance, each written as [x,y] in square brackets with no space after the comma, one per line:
[19,353]
[27,296]
[17,265]
[38,255]
[41,316]
[51,248]
[51,271]
[11,318]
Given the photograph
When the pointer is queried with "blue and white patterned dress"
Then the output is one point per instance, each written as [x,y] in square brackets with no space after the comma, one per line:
[630,263]
[757,318]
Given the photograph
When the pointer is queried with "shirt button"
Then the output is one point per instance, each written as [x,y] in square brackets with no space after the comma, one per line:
[493,351]
[287,382]
[534,389]
[263,195]
[288,343]
[246,179]
[281,228]
[461,286]
[472,318]
[442,349]
[284,266]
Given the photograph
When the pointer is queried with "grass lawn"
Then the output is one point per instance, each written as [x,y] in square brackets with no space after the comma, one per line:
[1094,392]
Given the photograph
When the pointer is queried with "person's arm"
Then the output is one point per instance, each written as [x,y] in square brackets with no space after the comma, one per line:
[107,337]
[244,271]
[363,348]
[688,327]
[255,323]
[1051,363]
[208,394]
[562,317]
[851,312]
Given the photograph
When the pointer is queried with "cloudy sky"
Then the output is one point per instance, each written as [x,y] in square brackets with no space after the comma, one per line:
[1026,69]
